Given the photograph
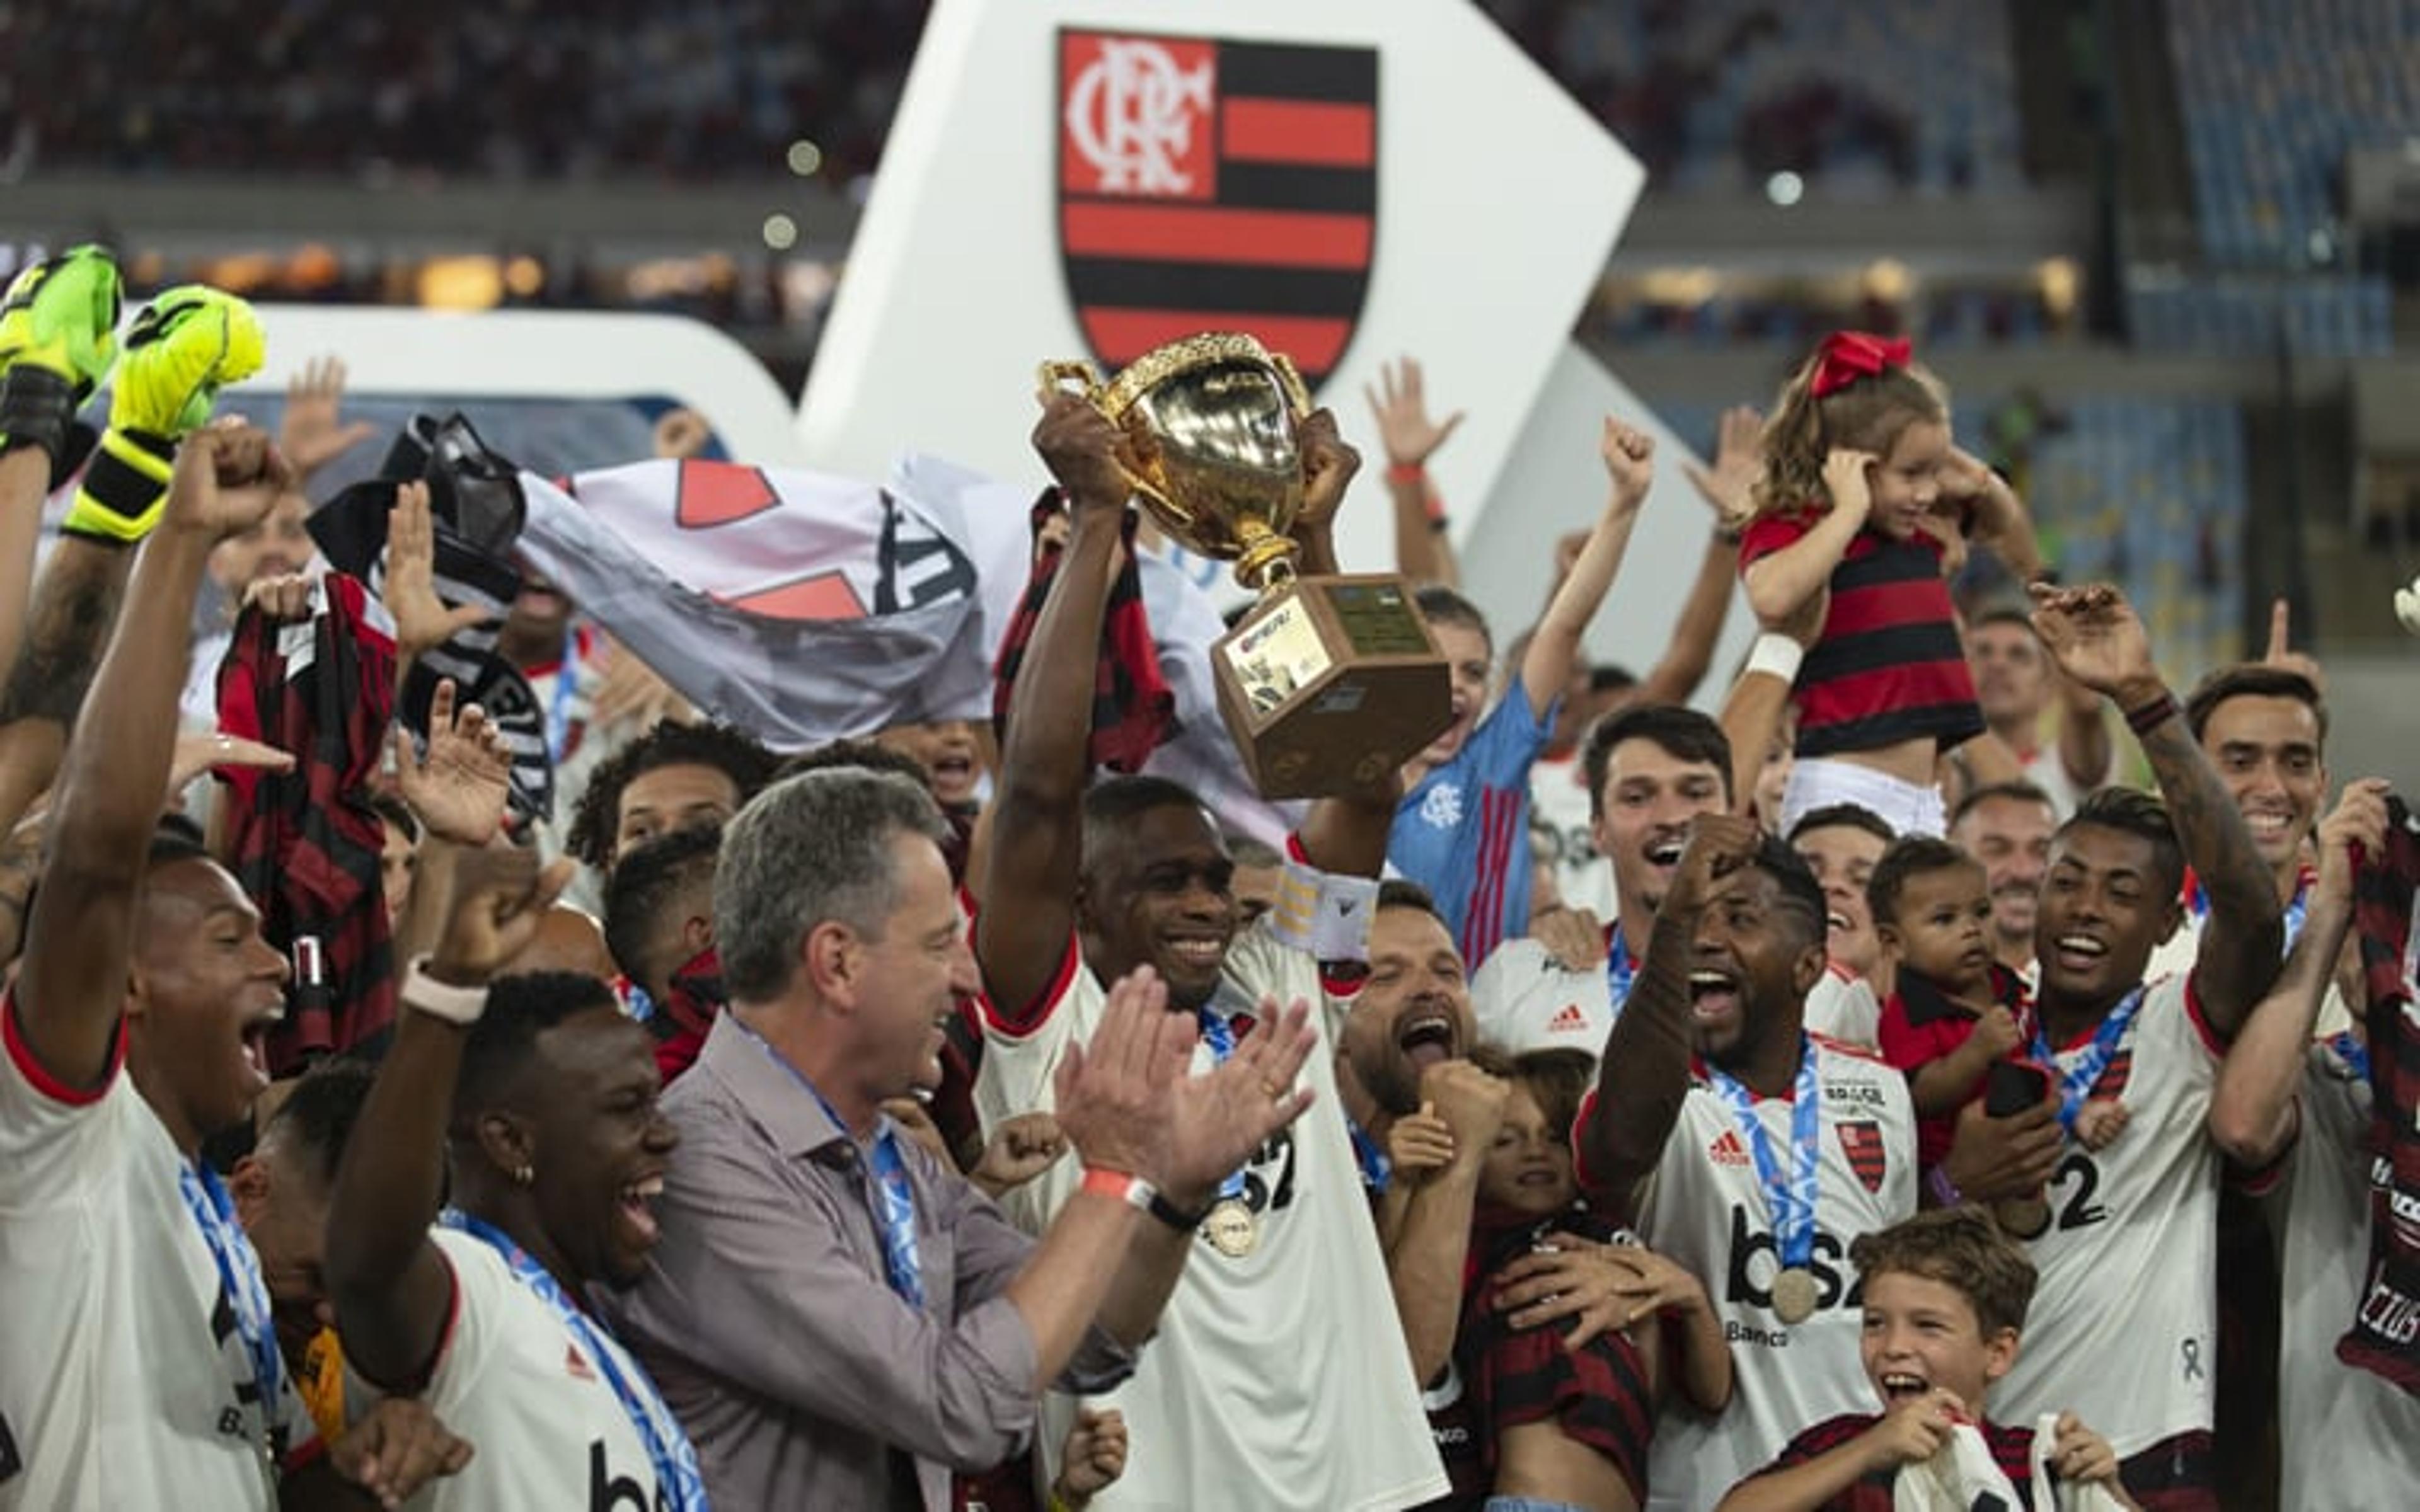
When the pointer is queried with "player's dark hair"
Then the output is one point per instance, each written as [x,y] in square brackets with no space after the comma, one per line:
[1843,816]
[1682,733]
[2252,679]
[596,820]
[520,1009]
[320,1113]
[2016,788]
[2131,811]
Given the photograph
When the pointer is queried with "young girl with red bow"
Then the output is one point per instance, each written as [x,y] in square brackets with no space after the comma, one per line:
[1866,496]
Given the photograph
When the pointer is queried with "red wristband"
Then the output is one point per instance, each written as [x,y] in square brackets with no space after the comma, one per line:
[1124,1186]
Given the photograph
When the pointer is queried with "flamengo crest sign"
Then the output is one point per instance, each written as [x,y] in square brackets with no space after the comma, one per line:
[1213,185]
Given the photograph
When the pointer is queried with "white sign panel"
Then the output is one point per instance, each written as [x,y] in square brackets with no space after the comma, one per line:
[1352,180]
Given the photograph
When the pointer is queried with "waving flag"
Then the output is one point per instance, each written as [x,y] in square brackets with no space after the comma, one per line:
[797,606]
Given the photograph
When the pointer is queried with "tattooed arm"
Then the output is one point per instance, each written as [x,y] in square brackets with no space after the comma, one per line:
[75,604]
[2098,641]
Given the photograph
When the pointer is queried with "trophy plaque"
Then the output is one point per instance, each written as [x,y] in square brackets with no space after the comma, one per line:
[1330,682]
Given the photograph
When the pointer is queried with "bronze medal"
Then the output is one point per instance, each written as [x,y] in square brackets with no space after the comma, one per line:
[1233,1228]
[1795,1296]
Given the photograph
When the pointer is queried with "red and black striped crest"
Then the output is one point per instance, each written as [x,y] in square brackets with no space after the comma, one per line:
[1862,1142]
[1211,185]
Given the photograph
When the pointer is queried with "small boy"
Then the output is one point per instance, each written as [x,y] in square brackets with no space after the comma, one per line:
[1946,1294]
[1954,1010]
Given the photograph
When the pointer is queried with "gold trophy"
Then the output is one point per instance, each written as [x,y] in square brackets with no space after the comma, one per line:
[1330,682]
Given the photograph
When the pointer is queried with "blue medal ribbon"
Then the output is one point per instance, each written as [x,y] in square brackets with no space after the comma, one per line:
[2354,1055]
[2297,908]
[1620,971]
[558,714]
[1218,1036]
[1376,1170]
[892,1201]
[674,1458]
[1790,1197]
[2075,1082]
[239,1280]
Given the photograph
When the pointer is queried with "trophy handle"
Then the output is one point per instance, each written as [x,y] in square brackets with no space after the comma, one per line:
[1297,393]
[1057,378]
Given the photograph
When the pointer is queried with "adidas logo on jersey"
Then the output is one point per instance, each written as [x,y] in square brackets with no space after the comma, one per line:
[1569,1021]
[574,1365]
[1729,1151]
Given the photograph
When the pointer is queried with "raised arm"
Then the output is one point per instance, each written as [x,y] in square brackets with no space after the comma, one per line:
[1779,584]
[1676,675]
[73,978]
[1643,1077]
[1726,489]
[1997,518]
[25,480]
[1344,833]
[2085,752]
[1399,403]
[1035,849]
[390,1285]
[57,340]
[1629,456]
[1751,715]
[2094,636]
[2252,1113]
[75,607]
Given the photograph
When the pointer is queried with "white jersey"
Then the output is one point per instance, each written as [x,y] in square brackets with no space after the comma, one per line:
[511,1378]
[2047,770]
[2349,1440]
[1521,999]
[1842,1007]
[2174,957]
[123,1379]
[1278,1379]
[2123,1327]
[1706,1209]
[1565,834]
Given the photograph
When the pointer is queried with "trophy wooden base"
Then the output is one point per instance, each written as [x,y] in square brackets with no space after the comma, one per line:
[1330,684]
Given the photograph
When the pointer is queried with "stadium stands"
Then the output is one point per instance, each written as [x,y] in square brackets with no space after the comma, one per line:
[2274,93]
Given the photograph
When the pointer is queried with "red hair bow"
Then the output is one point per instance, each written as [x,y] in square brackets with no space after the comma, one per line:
[1847,356]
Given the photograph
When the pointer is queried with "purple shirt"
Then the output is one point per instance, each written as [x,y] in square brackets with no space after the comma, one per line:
[767,1320]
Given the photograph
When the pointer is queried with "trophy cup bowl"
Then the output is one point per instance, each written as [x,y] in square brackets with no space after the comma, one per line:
[1213,429]
[1331,682]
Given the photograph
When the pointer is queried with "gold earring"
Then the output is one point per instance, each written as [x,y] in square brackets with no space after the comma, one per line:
[524,1174]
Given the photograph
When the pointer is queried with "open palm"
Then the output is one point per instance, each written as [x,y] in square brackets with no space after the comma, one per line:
[1216,1121]
[458,786]
[2095,637]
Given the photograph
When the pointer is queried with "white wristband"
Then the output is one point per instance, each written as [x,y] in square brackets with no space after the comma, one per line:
[458,1006]
[1776,654]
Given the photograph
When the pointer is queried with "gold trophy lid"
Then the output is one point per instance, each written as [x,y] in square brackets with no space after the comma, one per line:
[1160,363]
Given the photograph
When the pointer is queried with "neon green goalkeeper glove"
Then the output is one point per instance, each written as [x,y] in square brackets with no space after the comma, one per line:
[58,324]
[183,348]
